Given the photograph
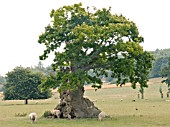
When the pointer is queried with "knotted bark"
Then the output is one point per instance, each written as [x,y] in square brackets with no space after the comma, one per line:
[74,105]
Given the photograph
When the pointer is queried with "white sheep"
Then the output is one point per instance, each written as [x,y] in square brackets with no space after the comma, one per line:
[69,116]
[56,112]
[33,117]
[101,116]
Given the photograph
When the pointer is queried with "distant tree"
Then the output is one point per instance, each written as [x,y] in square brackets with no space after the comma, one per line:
[161,60]
[166,74]
[161,53]
[158,64]
[93,40]
[2,80]
[40,68]
[22,84]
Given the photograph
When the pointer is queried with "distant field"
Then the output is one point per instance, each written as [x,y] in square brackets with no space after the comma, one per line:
[149,112]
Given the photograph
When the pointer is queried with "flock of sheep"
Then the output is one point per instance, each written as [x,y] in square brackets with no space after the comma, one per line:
[33,115]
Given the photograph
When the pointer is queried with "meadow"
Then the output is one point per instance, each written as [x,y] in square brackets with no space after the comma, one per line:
[117,102]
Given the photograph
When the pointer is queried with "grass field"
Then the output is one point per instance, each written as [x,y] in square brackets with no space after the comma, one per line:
[149,112]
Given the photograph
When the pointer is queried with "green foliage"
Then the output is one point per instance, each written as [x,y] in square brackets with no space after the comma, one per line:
[47,114]
[41,69]
[166,74]
[158,65]
[1,88]
[161,53]
[161,60]
[98,41]
[2,80]
[21,84]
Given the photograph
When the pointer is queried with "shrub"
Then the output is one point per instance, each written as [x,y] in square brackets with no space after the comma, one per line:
[47,114]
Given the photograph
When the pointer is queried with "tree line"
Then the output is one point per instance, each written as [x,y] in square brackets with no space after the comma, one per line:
[161,60]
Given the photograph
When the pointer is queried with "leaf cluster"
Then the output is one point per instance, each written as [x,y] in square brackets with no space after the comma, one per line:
[94,40]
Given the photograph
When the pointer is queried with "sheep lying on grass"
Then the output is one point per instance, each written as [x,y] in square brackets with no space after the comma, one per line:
[56,113]
[33,117]
[101,116]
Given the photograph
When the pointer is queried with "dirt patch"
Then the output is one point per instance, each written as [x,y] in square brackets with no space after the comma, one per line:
[108,85]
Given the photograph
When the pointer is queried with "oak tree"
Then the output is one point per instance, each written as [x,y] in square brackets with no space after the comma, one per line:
[84,39]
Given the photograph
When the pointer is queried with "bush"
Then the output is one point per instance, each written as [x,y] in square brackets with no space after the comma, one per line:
[47,114]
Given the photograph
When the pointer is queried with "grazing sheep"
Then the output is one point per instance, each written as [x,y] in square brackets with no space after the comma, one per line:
[33,117]
[56,112]
[101,116]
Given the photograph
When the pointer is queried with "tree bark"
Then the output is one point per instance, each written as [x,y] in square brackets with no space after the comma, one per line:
[142,95]
[167,94]
[26,101]
[162,96]
[74,105]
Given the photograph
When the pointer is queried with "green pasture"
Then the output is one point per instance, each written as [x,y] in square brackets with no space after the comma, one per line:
[149,112]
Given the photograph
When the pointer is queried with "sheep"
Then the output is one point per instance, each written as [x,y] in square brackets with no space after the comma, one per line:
[101,116]
[56,112]
[69,116]
[33,117]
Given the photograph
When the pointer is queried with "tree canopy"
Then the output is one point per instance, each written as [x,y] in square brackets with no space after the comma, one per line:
[161,61]
[22,84]
[95,40]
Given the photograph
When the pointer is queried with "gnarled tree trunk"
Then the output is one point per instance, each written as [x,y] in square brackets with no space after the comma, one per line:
[74,105]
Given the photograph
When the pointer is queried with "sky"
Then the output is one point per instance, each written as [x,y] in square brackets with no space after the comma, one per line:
[22,21]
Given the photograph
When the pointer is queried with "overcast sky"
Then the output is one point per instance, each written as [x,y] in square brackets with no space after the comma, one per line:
[22,21]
